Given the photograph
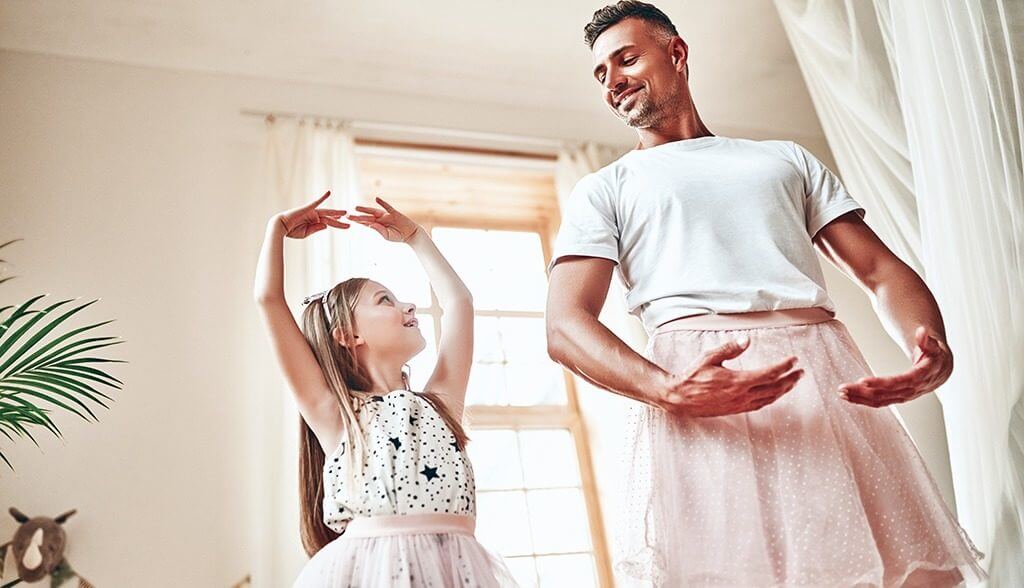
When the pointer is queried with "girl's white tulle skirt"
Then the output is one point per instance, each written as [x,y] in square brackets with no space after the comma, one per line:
[404,561]
[808,491]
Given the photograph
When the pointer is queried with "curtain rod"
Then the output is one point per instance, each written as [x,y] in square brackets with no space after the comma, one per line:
[549,144]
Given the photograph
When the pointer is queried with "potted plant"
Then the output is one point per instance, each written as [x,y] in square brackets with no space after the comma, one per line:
[45,365]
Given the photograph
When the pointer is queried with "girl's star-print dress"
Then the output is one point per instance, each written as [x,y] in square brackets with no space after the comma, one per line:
[412,466]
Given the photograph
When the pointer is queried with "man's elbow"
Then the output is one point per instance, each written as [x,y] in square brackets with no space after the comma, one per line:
[555,341]
[885,272]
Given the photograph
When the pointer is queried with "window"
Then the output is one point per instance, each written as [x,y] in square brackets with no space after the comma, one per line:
[537,501]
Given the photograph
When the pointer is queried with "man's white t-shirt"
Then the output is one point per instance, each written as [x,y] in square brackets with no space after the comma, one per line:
[708,225]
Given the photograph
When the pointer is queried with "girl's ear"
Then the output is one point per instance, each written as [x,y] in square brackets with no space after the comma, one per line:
[339,336]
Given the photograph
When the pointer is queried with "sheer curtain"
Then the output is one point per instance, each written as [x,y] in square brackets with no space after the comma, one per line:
[930,93]
[303,159]
[603,412]
[840,49]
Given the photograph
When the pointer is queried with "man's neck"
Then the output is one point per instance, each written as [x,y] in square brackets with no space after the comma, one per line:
[688,126]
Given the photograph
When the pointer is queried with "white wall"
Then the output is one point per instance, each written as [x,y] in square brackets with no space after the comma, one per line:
[142,187]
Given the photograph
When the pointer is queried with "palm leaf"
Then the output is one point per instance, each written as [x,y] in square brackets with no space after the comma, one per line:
[20,312]
[44,365]
[11,338]
[83,371]
[54,343]
[31,413]
[70,350]
[67,383]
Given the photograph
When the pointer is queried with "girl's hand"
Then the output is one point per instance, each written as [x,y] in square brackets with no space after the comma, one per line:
[391,224]
[303,221]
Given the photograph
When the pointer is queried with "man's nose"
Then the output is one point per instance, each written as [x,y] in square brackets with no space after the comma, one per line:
[614,82]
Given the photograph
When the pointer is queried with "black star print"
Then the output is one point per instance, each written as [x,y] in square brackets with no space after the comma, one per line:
[430,473]
[395,441]
[412,420]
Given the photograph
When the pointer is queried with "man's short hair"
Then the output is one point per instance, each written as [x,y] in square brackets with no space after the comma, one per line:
[613,14]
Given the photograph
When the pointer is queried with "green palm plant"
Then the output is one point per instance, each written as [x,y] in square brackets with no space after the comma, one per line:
[42,367]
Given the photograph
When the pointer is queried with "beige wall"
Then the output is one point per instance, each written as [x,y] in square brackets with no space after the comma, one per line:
[142,187]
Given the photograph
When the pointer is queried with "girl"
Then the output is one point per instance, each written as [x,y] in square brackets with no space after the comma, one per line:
[387,494]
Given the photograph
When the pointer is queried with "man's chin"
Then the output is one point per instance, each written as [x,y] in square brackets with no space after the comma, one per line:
[638,120]
[636,117]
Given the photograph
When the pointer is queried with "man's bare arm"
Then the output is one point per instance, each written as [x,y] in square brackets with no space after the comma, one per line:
[577,340]
[904,304]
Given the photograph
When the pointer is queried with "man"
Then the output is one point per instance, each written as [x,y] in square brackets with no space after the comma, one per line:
[786,467]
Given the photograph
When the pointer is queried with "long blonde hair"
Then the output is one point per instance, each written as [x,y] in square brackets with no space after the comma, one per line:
[346,379]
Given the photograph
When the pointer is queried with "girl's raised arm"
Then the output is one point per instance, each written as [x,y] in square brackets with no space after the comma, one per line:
[455,353]
[317,405]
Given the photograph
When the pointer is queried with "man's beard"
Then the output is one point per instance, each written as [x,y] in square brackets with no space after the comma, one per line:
[646,112]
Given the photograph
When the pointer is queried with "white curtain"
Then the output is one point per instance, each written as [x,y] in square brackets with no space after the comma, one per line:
[303,159]
[921,101]
[840,49]
[603,412]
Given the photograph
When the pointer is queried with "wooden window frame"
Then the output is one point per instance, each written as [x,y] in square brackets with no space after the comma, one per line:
[554,416]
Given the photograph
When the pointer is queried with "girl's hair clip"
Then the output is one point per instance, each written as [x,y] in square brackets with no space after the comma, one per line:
[321,296]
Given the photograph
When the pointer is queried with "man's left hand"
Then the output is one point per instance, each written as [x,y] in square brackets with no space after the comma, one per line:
[933,363]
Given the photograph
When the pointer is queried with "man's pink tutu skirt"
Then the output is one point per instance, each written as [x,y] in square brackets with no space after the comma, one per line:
[808,491]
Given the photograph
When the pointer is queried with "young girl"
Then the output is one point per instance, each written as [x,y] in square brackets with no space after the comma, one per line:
[386,488]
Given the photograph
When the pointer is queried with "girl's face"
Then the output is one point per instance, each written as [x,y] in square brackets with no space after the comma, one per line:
[385,325]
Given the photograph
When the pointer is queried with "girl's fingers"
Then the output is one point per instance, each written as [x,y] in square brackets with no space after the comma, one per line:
[370,210]
[384,204]
[317,202]
[338,225]
[331,211]
[362,218]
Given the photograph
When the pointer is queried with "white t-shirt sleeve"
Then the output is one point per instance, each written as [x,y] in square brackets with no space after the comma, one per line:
[825,198]
[588,222]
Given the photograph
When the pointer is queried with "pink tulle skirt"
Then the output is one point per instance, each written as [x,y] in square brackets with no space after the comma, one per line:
[808,491]
[410,551]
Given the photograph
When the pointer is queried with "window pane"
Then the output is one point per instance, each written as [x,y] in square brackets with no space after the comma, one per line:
[503,522]
[486,385]
[422,365]
[503,269]
[566,570]
[549,458]
[530,375]
[486,378]
[524,570]
[559,521]
[496,462]
[392,264]
[511,366]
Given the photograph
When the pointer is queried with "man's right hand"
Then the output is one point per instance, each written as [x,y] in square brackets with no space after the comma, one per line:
[707,389]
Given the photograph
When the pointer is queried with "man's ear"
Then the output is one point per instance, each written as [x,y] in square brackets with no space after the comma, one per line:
[680,54]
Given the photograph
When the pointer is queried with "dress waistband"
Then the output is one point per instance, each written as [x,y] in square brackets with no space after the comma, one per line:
[412,524]
[747,320]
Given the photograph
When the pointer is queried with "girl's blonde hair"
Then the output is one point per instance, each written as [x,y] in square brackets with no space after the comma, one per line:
[347,380]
